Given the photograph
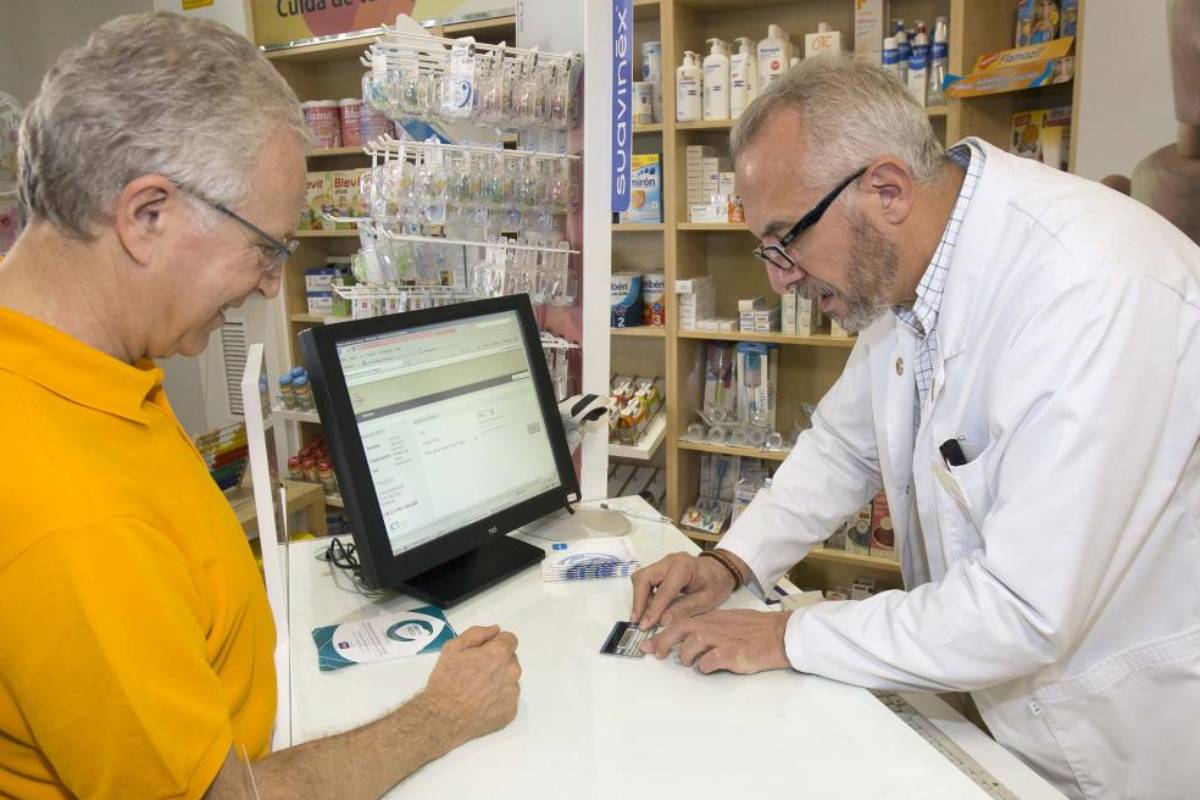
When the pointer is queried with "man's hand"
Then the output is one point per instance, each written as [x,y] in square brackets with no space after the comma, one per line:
[475,684]
[738,641]
[703,582]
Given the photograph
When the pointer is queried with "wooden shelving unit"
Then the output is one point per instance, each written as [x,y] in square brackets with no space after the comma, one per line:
[809,365]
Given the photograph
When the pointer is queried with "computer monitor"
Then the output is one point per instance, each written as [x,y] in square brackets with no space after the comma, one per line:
[446,437]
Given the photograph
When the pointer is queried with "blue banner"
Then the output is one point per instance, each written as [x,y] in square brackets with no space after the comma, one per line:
[622,99]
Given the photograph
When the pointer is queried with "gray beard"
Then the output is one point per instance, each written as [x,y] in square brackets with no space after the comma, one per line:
[873,264]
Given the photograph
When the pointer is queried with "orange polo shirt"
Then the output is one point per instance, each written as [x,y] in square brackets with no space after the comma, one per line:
[137,639]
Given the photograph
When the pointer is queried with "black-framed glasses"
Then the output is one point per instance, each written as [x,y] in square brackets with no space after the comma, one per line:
[776,254]
[276,251]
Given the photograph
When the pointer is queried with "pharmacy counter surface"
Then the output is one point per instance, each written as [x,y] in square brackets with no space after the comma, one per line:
[597,726]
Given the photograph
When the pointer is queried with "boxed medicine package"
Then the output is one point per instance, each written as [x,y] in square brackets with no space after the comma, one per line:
[1043,135]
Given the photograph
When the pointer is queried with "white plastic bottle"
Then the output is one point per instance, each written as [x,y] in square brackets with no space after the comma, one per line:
[689,83]
[743,77]
[716,80]
[939,61]
[918,76]
[891,56]
[774,56]
[905,51]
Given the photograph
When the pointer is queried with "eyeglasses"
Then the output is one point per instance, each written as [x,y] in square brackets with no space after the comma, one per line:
[276,252]
[776,254]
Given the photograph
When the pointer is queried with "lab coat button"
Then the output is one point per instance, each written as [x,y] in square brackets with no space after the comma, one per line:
[899,366]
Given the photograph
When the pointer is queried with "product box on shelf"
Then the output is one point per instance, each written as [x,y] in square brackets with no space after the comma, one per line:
[816,44]
[858,531]
[654,292]
[625,290]
[1043,135]
[697,300]
[800,315]
[1028,67]
[333,192]
[883,535]
[870,23]
[1037,21]
[1070,18]
[645,198]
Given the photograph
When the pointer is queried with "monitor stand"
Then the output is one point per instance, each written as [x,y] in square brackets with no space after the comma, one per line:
[459,578]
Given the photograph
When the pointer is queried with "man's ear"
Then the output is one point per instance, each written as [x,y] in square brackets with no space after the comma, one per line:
[892,189]
[141,213]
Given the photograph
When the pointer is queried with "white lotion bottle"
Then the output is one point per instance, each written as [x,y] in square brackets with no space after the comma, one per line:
[918,76]
[774,56]
[743,77]
[689,82]
[716,80]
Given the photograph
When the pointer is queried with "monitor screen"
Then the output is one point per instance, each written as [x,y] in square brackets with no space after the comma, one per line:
[450,424]
[446,436]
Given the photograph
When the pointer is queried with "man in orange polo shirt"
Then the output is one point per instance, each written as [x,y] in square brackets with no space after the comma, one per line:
[162,169]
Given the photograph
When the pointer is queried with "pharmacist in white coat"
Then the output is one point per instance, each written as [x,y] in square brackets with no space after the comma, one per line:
[1026,389]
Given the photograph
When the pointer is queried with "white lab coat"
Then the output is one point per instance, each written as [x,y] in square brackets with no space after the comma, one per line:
[1056,576]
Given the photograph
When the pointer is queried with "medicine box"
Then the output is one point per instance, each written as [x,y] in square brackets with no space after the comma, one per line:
[645,196]
[870,21]
[1043,135]
[800,315]
[333,192]
[817,43]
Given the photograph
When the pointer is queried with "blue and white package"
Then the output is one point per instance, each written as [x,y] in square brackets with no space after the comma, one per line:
[588,558]
[626,293]
[409,633]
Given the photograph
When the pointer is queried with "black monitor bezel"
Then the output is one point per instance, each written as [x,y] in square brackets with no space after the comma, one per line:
[380,568]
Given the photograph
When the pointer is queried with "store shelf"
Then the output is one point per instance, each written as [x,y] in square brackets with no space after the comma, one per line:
[505,27]
[334,234]
[713,226]
[730,450]
[295,415]
[654,127]
[727,124]
[705,125]
[637,227]
[815,340]
[647,447]
[334,501]
[317,319]
[641,332]
[338,48]
[856,559]
[338,151]
[701,536]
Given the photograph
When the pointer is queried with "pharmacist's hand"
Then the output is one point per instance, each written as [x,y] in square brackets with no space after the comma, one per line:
[677,587]
[737,641]
[473,689]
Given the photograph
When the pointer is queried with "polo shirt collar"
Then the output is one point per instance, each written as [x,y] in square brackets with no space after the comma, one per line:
[66,366]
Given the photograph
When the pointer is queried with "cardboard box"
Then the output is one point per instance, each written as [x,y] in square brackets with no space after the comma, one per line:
[645,197]
[1022,68]
[816,44]
[1043,135]
[726,186]
[870,25]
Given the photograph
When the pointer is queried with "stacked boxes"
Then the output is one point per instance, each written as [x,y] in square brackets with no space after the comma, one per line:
[318,288]
[755,317]
[800,315]
[697,301]
[709,184]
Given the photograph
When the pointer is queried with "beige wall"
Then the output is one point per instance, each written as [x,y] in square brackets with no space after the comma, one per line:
[32,34]
[1125,106]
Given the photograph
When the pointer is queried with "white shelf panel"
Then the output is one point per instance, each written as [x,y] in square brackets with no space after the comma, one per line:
[644,450]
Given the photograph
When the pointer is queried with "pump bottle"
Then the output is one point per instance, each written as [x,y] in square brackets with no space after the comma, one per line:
[689,81]
[743,77]
[716,80]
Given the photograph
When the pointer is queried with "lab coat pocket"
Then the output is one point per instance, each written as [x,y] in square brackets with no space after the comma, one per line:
[1127,725]
[963,501]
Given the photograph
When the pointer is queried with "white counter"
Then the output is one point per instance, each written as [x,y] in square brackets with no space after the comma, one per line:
[596,726]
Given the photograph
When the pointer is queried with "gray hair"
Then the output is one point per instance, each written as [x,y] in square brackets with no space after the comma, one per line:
[149,94]
[852,112]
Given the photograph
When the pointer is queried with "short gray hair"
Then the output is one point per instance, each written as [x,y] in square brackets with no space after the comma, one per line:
[852,112]
[149,94]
